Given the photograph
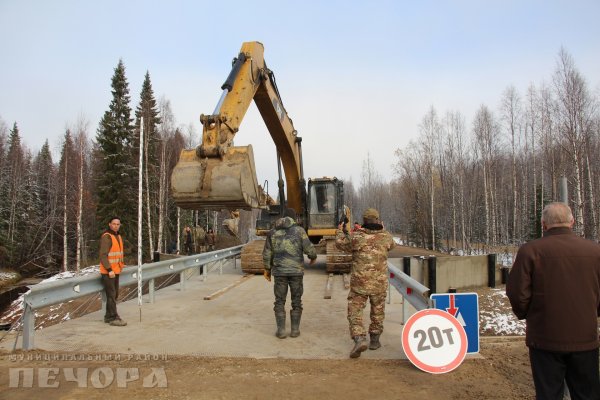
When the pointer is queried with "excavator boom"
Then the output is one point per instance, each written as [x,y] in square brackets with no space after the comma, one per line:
[217,175]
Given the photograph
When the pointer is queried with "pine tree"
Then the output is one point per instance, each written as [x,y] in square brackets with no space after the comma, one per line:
[44,203]
[117,174]
[3,195]
[17,209]
[14,176]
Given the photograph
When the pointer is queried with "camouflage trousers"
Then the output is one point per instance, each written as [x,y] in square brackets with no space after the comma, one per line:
[280,288]
[356,304]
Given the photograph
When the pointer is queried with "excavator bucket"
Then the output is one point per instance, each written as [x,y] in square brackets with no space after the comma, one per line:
[216,183]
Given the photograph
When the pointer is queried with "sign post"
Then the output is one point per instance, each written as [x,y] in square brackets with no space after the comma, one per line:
[434,341]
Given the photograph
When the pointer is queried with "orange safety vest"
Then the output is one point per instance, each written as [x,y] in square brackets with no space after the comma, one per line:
[115,255]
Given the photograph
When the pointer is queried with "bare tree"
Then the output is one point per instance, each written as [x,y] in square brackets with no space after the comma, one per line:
[82,148]
[575,113]
[485,131]
[511,116]
[166,130]
[430,135]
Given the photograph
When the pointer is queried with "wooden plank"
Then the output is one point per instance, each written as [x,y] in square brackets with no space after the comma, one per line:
[219,292]
[328,287]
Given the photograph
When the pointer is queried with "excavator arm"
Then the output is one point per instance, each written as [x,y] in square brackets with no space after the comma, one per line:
[218,175]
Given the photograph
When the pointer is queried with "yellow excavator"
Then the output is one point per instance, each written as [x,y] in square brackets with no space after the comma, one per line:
[217,175]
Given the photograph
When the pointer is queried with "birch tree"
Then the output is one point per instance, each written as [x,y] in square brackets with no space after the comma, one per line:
[147,111]
[575,113]
[485,132]
[511,117]
[430,136]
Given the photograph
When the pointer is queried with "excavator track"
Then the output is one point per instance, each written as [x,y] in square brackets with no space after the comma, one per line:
[337,260]
[252,257]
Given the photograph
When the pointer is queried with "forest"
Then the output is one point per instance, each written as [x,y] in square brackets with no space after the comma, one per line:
[460,185]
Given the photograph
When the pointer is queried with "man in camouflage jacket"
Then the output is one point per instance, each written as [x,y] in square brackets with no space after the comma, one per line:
[369,280]
[283,257]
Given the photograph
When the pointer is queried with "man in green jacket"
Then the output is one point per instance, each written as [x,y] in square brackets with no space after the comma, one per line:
[283,258]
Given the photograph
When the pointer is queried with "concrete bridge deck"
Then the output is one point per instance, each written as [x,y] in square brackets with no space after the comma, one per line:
[237,323]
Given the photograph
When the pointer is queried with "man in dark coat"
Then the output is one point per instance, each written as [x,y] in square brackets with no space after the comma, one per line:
[555,286]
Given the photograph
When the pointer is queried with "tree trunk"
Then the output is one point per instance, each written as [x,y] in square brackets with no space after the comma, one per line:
[148,205]
[79,208]
[65,249]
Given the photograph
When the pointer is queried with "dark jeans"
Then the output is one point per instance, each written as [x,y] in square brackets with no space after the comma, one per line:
[111,287]
[551,369]
[280,288]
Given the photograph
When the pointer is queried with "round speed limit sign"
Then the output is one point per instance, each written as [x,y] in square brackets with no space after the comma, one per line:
[434,341]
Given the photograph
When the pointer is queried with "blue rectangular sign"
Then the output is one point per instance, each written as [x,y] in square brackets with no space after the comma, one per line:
[465,308]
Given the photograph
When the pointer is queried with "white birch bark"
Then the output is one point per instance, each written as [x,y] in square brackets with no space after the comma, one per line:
[65,248]
[161,195]
[148,205]
[79,207]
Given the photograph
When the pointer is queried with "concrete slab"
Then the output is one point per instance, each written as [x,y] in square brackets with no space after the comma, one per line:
[237,323]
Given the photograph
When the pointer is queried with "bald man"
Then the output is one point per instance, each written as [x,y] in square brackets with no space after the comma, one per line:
[554,285]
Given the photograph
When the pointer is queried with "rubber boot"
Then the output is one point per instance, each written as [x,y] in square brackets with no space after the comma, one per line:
[360,345]
[295,316]
[374,345]
[280,319]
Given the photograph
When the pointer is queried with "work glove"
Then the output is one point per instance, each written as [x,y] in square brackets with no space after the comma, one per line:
[267,274]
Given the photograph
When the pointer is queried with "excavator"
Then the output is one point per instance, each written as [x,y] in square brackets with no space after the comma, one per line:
[218,175]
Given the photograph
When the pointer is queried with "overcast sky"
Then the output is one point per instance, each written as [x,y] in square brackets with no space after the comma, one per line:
[355,77]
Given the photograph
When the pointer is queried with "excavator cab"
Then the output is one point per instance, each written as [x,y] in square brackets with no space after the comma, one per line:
[325,203]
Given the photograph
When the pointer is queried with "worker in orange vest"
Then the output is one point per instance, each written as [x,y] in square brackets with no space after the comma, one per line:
[111,264]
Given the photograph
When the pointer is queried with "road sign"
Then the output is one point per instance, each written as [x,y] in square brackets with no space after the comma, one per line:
[465,308]
[434,341]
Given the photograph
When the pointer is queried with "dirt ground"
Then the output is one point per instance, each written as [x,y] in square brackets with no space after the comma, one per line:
[502,372]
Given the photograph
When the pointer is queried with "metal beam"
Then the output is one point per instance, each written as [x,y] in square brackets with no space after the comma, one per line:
[60,291]
[413,291]
[47,294]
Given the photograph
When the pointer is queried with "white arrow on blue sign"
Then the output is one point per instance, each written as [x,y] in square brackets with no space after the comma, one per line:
[465,308]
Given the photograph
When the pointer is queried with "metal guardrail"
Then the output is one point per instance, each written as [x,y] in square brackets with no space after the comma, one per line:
[412,290]
[47,294]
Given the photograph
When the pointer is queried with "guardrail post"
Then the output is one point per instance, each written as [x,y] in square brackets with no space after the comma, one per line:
[182,280]
[406,265]
[431,268]
[28,327]
[505,272]
[492,270]
[151,290]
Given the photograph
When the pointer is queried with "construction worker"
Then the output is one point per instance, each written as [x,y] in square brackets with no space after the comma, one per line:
[211,239]
[283,258]
[200,239]
[111,263]
[188,243]
[369,246]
